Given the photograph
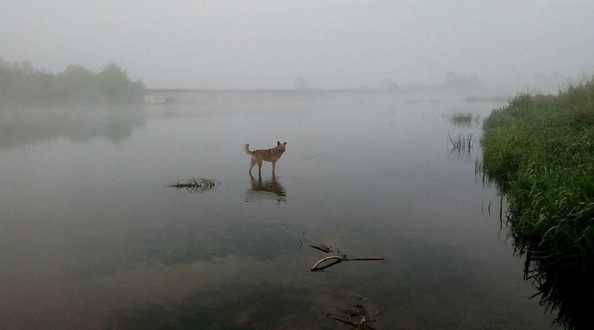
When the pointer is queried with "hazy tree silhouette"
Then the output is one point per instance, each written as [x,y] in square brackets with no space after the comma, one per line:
[23,85]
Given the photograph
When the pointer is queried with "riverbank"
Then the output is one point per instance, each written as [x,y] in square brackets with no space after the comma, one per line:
[539,150]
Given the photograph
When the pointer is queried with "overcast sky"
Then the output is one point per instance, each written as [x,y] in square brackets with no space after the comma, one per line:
[332,44]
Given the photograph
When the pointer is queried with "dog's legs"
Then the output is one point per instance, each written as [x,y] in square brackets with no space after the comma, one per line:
[259,167]
[253,162]
[273,168]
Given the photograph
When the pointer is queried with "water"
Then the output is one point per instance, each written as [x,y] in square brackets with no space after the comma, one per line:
[92,238]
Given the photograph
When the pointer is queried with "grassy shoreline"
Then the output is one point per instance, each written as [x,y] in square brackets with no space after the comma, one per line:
[539,150]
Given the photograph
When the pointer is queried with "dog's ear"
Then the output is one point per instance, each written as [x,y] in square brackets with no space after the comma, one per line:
[285,143]
[278,143]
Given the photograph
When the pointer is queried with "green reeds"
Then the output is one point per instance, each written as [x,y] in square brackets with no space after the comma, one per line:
[539,150]
[464,119]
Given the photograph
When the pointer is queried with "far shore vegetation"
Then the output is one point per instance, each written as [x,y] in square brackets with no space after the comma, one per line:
[23,85]
[539,149]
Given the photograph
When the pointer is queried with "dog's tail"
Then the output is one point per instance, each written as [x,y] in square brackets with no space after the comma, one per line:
[246,148]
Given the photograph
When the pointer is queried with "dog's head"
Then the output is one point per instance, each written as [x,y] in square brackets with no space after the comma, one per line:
[281,146]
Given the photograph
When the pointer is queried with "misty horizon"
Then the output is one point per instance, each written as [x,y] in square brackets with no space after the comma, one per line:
[420,140]
[327,45]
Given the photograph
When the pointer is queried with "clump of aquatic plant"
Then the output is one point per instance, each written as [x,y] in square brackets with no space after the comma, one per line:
[539,149]
[195,184]
[464,119]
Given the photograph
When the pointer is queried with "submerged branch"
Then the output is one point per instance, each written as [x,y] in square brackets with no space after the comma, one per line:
[361,324]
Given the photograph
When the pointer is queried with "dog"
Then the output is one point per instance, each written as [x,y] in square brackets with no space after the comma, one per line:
[269,155]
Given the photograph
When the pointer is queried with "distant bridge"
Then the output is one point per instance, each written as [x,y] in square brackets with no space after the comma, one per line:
[163,96]
[166,96]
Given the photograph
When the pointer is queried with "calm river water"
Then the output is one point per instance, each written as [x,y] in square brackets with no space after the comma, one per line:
[91,237]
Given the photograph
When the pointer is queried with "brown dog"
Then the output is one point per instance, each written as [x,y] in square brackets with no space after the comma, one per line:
[269,155]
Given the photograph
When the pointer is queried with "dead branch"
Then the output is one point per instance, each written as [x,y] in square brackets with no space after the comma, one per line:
[322,247]
[336,260]
[316,267]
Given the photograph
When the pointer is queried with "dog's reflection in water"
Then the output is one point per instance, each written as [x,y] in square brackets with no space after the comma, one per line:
[266,189]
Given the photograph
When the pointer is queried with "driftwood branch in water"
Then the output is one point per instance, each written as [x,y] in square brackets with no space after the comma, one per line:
[195,185]
[336,260]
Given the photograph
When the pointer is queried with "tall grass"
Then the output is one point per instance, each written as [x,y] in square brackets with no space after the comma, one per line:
[539,149]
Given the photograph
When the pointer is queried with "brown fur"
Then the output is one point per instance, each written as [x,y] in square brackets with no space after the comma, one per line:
[268,155]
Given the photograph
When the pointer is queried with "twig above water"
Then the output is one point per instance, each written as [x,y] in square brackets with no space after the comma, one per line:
[334,260]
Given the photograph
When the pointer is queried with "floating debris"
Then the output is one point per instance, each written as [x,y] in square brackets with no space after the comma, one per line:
[195,184]
[358,317]
[328,262]
[352,312]
[362,324]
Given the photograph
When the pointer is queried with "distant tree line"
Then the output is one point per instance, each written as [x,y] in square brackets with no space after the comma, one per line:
[23,85]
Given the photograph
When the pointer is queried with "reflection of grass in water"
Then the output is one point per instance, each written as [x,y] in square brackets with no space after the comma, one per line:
[462,142]
[464,119]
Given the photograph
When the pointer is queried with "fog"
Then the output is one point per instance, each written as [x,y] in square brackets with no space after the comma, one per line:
[324,44]
[109,110]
